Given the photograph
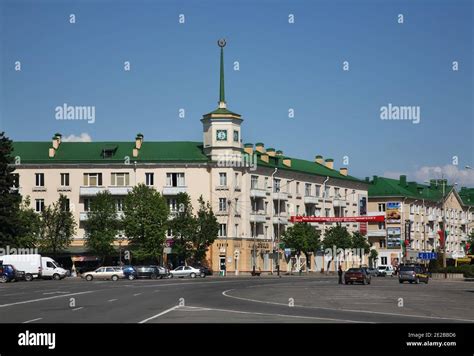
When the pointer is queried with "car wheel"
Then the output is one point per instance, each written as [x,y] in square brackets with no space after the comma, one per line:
[426,282]
[56,277]
[3,279]
[368,281]
[115,278]
[28,277]
[131,277]
[203,275]
[363,282]
[192,275]
[400,281]
[161,276]
[171,275]
[89,278]
[410,282]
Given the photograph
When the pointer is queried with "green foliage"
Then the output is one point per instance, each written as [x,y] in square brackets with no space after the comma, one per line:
[466,270]
[373,255]
[183,225]
[337,236]
[29,226]
[302,237]
[9,199]
[360,241]
[57,227]
[145,222]
[207,228]
[102,225]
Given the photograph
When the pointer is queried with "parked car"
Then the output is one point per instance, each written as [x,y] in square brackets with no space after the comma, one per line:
[7,273]
[129,272]
[187,271]
[206,270]
[151,272]
[372,272]
[383,271]
[164,272]
[412,274]
[356,275]
[35,266]
[107,272]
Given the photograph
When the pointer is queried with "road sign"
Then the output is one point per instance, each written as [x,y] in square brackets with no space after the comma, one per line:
[427,255]
[287,252]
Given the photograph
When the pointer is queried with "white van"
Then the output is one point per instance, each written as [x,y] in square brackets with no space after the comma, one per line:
[385,270]
[35,266]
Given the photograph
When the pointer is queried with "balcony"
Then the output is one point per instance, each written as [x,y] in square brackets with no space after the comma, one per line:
[258,193]
[39,189]
[440,219]
[90,191]
[310,199]
[282,219]
[431,235]
[83,215]
[431,217]
[222,187]
[376,233]
[64,189]
[339,203]
[463,221]
[174,190]
[412,218]
[120,190]
[280,196]
[257,217]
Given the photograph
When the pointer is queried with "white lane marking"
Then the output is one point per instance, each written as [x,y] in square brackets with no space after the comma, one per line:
[41,299]
[279,315]
[112,300]
[32,320]
[137,294]
[160,314]
[6,295]
[56,292]
[79,308]
[224,293]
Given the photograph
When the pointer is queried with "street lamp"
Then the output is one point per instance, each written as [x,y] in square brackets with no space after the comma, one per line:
[120,239]
[278,226]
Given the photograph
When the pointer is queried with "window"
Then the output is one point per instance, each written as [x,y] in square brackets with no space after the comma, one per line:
[381,207]
[39,179]
[175,180]
[236,206]
[50,265]
[92,179]
[307,190]
[297,210]
[223,179]
[318,191]
[276,185]
[169,233]
[222,204]
[383,260]
[149,179]
[236,180]
[120,179]
[336,193]
[266,207]
[222,230]
[39,205]
[327,191]
[87,204]
[412,209]
[236,136]
[173,205]
[119,205]
[254,182]
[64,179]
[236,230]
[297,188]
[65,205]
[266,183]
[383,244]
[381,225]
[288,186]
[328,211]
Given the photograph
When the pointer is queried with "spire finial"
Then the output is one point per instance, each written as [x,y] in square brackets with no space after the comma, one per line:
[222,104]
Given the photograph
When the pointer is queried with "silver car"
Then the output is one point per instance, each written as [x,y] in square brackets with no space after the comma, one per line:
[186,271]
[108,272]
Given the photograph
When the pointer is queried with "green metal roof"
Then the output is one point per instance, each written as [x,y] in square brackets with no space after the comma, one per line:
[223,112]
[467,196]
[92,152]
[388,187]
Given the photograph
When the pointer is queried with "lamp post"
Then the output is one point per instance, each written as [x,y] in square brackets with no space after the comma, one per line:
[273,230]
[120,239]
[255,236]
[278,226]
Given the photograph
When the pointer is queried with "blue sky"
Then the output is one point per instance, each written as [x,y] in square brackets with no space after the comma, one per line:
[282,66]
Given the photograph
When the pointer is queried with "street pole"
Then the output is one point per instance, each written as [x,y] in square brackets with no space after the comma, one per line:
[255,236]
[324,214]
[444,231]
[273,229]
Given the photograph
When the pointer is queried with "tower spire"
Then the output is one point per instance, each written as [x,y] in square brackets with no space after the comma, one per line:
[222,104]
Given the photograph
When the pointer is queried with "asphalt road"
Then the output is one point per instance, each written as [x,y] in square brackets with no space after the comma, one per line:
[299,299]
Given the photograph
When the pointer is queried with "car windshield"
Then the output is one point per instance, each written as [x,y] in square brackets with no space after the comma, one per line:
[407,268]
[354,270]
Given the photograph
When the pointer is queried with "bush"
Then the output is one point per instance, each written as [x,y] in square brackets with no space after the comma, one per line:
[466,270]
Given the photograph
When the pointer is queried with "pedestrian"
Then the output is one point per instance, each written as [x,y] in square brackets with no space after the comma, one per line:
[339,272]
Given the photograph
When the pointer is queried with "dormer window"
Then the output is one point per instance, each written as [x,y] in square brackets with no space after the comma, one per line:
[109,151]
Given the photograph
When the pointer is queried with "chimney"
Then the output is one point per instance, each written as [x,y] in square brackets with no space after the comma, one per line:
[375,179]
[52,152]
[135,152]
[138,141]
[330,163]
[287,161]
[271,152]
[403,180]
[260,147]
[279,153]
[343,171]
[248,148]
[56,140]
[319,159]
[433,184]
[264,158]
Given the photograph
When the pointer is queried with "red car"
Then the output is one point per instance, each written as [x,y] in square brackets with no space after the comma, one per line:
[358,275]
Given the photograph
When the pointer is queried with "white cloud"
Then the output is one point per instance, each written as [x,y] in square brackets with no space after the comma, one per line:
[83,137]
[454,174]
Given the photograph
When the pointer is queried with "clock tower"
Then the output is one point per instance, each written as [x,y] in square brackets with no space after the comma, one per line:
[221,127]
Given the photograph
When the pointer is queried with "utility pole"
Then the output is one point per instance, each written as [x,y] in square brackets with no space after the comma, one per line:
[255,236]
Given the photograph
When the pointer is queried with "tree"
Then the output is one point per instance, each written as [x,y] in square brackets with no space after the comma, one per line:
[145,222]
[9,199]
[183,226]
[28,230]
[57,227]
[360,243]
[336,237]
[470,244]
[102,225]
[373,256]
[207,228]
[303,238]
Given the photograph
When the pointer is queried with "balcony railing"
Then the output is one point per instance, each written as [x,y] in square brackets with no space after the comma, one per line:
[83,215]
[119,190]
[338,203]
[283,220]
[91,191]
[174,190]
[257,217]
[431,217]
[280,196]
[310,199]
[258,193]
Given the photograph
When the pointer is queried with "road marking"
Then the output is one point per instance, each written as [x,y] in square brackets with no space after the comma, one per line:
[112,300]
[224,293]
[279,315]
[41,299]
[136,294]
[160,314]
[6,295]
[79,308]
[32,320]
[57,292]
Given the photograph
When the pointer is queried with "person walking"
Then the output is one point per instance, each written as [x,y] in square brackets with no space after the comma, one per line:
[339,272]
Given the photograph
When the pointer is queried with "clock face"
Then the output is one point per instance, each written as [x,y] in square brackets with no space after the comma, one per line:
[221,135]
[221,42]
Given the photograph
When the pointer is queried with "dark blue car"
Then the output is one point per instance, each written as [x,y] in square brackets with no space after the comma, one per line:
[7,273]
[129,272]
